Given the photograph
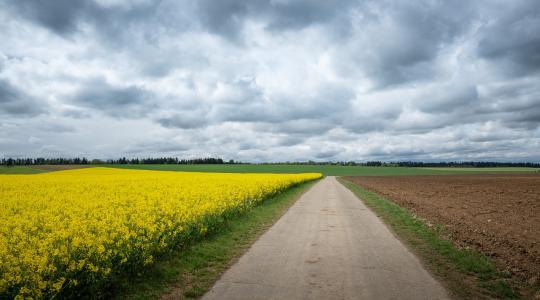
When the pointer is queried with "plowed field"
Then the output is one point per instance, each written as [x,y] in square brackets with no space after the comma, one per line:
[499,215]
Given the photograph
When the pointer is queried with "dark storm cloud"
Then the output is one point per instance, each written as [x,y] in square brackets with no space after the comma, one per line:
[304,127]
[118,101]
[60,16]
[15,102]
[227,17]
[396,42]
[76,114]
[448,99]
[290,140]
[299,14]
[516,104]
[154,146]
[327,154]
[184,120]
[112,23]
[57,127]
[512,38]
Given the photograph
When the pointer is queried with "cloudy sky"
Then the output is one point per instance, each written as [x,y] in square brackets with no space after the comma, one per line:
[271,80]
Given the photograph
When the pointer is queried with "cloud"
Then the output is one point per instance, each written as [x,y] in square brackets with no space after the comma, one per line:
[398,42]
[14,102]
[272,80]
[66,17]
[186,120]
[60,16]
[227,18]
[447,99]
[512,39]
[57,127]
[119,101]
[157,146]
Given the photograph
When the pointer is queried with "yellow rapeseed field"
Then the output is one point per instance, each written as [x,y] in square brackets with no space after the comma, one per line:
[79,228]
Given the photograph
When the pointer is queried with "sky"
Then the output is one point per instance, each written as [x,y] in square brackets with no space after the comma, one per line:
[266,81]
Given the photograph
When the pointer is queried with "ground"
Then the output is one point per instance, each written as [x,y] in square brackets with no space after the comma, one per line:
[20,170]
[499,215]
[328,170]
[328,245]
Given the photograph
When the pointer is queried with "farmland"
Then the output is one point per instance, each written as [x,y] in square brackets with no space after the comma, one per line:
[497,214]
[72,231]
[76,231]
[328,170]
[20,170]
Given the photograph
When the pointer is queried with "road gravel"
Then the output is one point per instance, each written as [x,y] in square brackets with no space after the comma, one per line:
[328,245]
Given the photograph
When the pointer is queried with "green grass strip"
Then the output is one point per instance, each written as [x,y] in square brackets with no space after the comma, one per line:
[190,271]
[20,170]
[468,274]
[328,170]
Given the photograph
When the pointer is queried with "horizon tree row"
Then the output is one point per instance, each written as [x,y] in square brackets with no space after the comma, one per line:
[417,164]
[468,164]
[169,160]
[211,160]
[84,161]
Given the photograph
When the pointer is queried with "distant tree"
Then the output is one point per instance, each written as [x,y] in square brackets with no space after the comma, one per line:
[96,161]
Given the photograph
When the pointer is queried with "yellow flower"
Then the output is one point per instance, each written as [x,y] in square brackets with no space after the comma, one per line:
[87,222]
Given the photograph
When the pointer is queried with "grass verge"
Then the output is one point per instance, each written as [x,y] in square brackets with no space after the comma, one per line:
[20,170]
[466,273]
[189,272]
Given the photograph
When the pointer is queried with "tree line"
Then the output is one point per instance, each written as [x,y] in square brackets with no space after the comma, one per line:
[468,164]
[43,161]
[217,161]
[418,164]
[329,163]
[84,161]
[170,160]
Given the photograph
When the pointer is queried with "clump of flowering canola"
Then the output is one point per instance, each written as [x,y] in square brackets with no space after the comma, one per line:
[63,230]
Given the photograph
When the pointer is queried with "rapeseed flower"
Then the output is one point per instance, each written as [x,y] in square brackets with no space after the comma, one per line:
[63,229]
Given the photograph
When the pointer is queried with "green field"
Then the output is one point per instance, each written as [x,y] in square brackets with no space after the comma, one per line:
[20,170]
[328,170]
[486,170]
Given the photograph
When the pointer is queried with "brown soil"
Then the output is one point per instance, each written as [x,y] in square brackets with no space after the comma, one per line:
[498,215]
[60,167]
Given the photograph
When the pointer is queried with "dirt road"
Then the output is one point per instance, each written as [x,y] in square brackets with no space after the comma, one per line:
[327,246]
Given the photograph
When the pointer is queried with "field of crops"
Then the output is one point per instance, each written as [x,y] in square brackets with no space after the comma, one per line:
[328,170]
[78,229]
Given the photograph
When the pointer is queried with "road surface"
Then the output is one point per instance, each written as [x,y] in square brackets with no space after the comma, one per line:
[328,245]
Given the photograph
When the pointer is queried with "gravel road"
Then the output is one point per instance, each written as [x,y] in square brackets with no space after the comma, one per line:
[329,245]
